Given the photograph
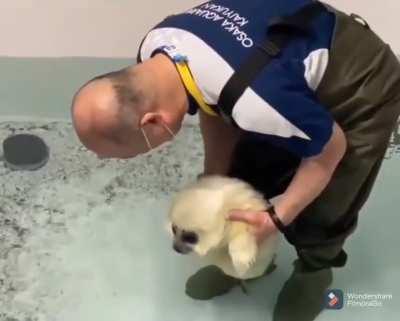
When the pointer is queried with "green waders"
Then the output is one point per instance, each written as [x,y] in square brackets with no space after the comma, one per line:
[361,89]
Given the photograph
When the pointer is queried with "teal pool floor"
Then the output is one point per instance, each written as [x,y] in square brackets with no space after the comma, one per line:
[84,239]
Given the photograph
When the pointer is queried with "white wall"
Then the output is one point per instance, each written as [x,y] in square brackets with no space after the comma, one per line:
[114,28]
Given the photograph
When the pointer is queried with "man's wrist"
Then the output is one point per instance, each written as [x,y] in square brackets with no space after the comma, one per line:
[279,224]
[287,211]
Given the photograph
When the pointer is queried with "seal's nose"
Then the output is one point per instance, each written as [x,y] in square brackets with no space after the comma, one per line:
[177,248]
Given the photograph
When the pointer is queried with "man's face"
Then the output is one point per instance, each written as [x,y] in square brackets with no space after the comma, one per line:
[138,142]
[99,127]
[112,150]
[105,148]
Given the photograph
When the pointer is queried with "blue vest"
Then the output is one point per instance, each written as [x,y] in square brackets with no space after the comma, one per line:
[280,105]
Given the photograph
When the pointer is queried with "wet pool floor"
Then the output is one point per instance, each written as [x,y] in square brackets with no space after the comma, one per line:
[84,239]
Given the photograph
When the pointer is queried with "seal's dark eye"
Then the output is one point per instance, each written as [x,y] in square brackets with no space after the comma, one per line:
[174,229]
[189,237]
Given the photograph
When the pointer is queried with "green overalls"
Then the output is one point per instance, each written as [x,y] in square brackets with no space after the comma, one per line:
[361,89]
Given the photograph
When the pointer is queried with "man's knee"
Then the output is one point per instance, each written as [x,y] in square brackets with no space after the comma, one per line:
[319,258]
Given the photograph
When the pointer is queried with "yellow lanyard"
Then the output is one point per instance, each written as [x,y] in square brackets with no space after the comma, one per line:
[191,86]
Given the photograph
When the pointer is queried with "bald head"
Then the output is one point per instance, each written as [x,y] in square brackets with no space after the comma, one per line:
[123,113]
[107,110]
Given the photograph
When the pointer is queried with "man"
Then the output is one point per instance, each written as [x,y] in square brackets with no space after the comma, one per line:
[313,125]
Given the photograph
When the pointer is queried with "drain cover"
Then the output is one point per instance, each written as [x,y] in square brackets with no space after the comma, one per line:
[25,152]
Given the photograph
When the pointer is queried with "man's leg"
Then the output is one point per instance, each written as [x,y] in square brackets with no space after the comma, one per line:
[302,296]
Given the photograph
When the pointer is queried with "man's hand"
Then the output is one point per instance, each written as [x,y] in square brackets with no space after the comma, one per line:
[315,173]
[261,221]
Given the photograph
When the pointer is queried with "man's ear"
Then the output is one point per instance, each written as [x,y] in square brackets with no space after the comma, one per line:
[151,118]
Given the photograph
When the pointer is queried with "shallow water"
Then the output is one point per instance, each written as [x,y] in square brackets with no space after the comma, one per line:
[84,239]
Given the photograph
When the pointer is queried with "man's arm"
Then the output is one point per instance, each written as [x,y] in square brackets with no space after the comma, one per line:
[219,140]
[311,178]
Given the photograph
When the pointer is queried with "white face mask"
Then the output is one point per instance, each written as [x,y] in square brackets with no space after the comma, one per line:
[151,148]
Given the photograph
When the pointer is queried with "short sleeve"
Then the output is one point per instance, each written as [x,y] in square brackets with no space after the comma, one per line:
[281,106]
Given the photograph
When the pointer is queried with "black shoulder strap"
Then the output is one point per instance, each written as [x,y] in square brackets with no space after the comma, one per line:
[280,31]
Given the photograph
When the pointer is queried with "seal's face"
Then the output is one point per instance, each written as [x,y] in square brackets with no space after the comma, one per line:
[184,241]
[196,221]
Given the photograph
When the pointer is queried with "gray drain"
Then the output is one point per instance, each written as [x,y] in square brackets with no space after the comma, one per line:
[25,152]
